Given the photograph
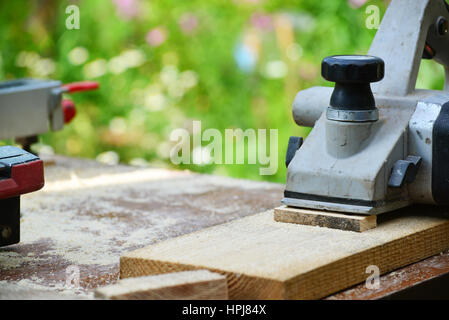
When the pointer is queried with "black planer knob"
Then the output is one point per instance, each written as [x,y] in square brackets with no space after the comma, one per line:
[352,99]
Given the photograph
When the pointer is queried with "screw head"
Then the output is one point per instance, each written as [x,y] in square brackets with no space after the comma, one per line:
[6,232]
[442,26]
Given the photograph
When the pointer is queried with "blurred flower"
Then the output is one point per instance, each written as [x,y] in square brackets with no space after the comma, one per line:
[133,57]
[139,162]
[188,23]
[43,67]
[127,59]
[275,69]
[137,117]
[294,51]
[108,157]
[96,68]
[37,66]
[356,3]
[285,33]
[177,83]
[175,90]
[301,21]
[261,21]
[168,75]
[162,92]
[156,37]
[78,55]
[118,125]
[127,8]
[188,79]
[26,59]
[245,58]
[117,65]
[155,101]
[247,51]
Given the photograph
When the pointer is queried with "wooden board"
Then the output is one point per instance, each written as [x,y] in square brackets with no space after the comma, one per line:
[185,285]
[89,213]
[264,259]
[410,282]
[334,220]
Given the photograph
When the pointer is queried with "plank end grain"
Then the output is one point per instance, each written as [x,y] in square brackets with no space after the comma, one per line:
[334,220]
[187,285]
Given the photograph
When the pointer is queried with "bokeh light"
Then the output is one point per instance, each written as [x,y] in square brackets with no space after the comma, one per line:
[163,64]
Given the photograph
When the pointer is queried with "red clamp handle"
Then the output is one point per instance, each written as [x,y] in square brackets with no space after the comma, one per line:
[69,110]
[68,106]
[80,86]
[25,178]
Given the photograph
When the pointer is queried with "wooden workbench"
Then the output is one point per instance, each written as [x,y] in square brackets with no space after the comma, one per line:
[88,214]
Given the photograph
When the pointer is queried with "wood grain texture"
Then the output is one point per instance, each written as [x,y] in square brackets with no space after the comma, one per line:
[400,280]
[264,259]
[348,222]
[185,285]
[89,214]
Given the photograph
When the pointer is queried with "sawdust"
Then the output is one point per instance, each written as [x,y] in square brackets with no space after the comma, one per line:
[38,285]
[11,260]
[63,221]
[87,215]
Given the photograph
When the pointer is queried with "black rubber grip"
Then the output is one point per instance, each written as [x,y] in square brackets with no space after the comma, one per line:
[440,156]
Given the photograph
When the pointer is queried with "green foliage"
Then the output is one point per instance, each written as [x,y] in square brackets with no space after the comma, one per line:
[148,89]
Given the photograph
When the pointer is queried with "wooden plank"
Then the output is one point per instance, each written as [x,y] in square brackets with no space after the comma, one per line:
[396,283]
[264,259]
[98,212]
[88,214]
[334,220]
[185,285]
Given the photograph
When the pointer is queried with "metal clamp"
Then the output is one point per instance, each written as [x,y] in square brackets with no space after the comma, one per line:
[352,115]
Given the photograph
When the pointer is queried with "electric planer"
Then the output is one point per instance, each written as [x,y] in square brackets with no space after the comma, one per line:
[377,143]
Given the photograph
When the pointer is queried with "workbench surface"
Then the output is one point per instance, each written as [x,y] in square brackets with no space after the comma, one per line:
[88,214]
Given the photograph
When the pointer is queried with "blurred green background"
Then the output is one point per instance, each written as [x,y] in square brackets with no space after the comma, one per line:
[162,64]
